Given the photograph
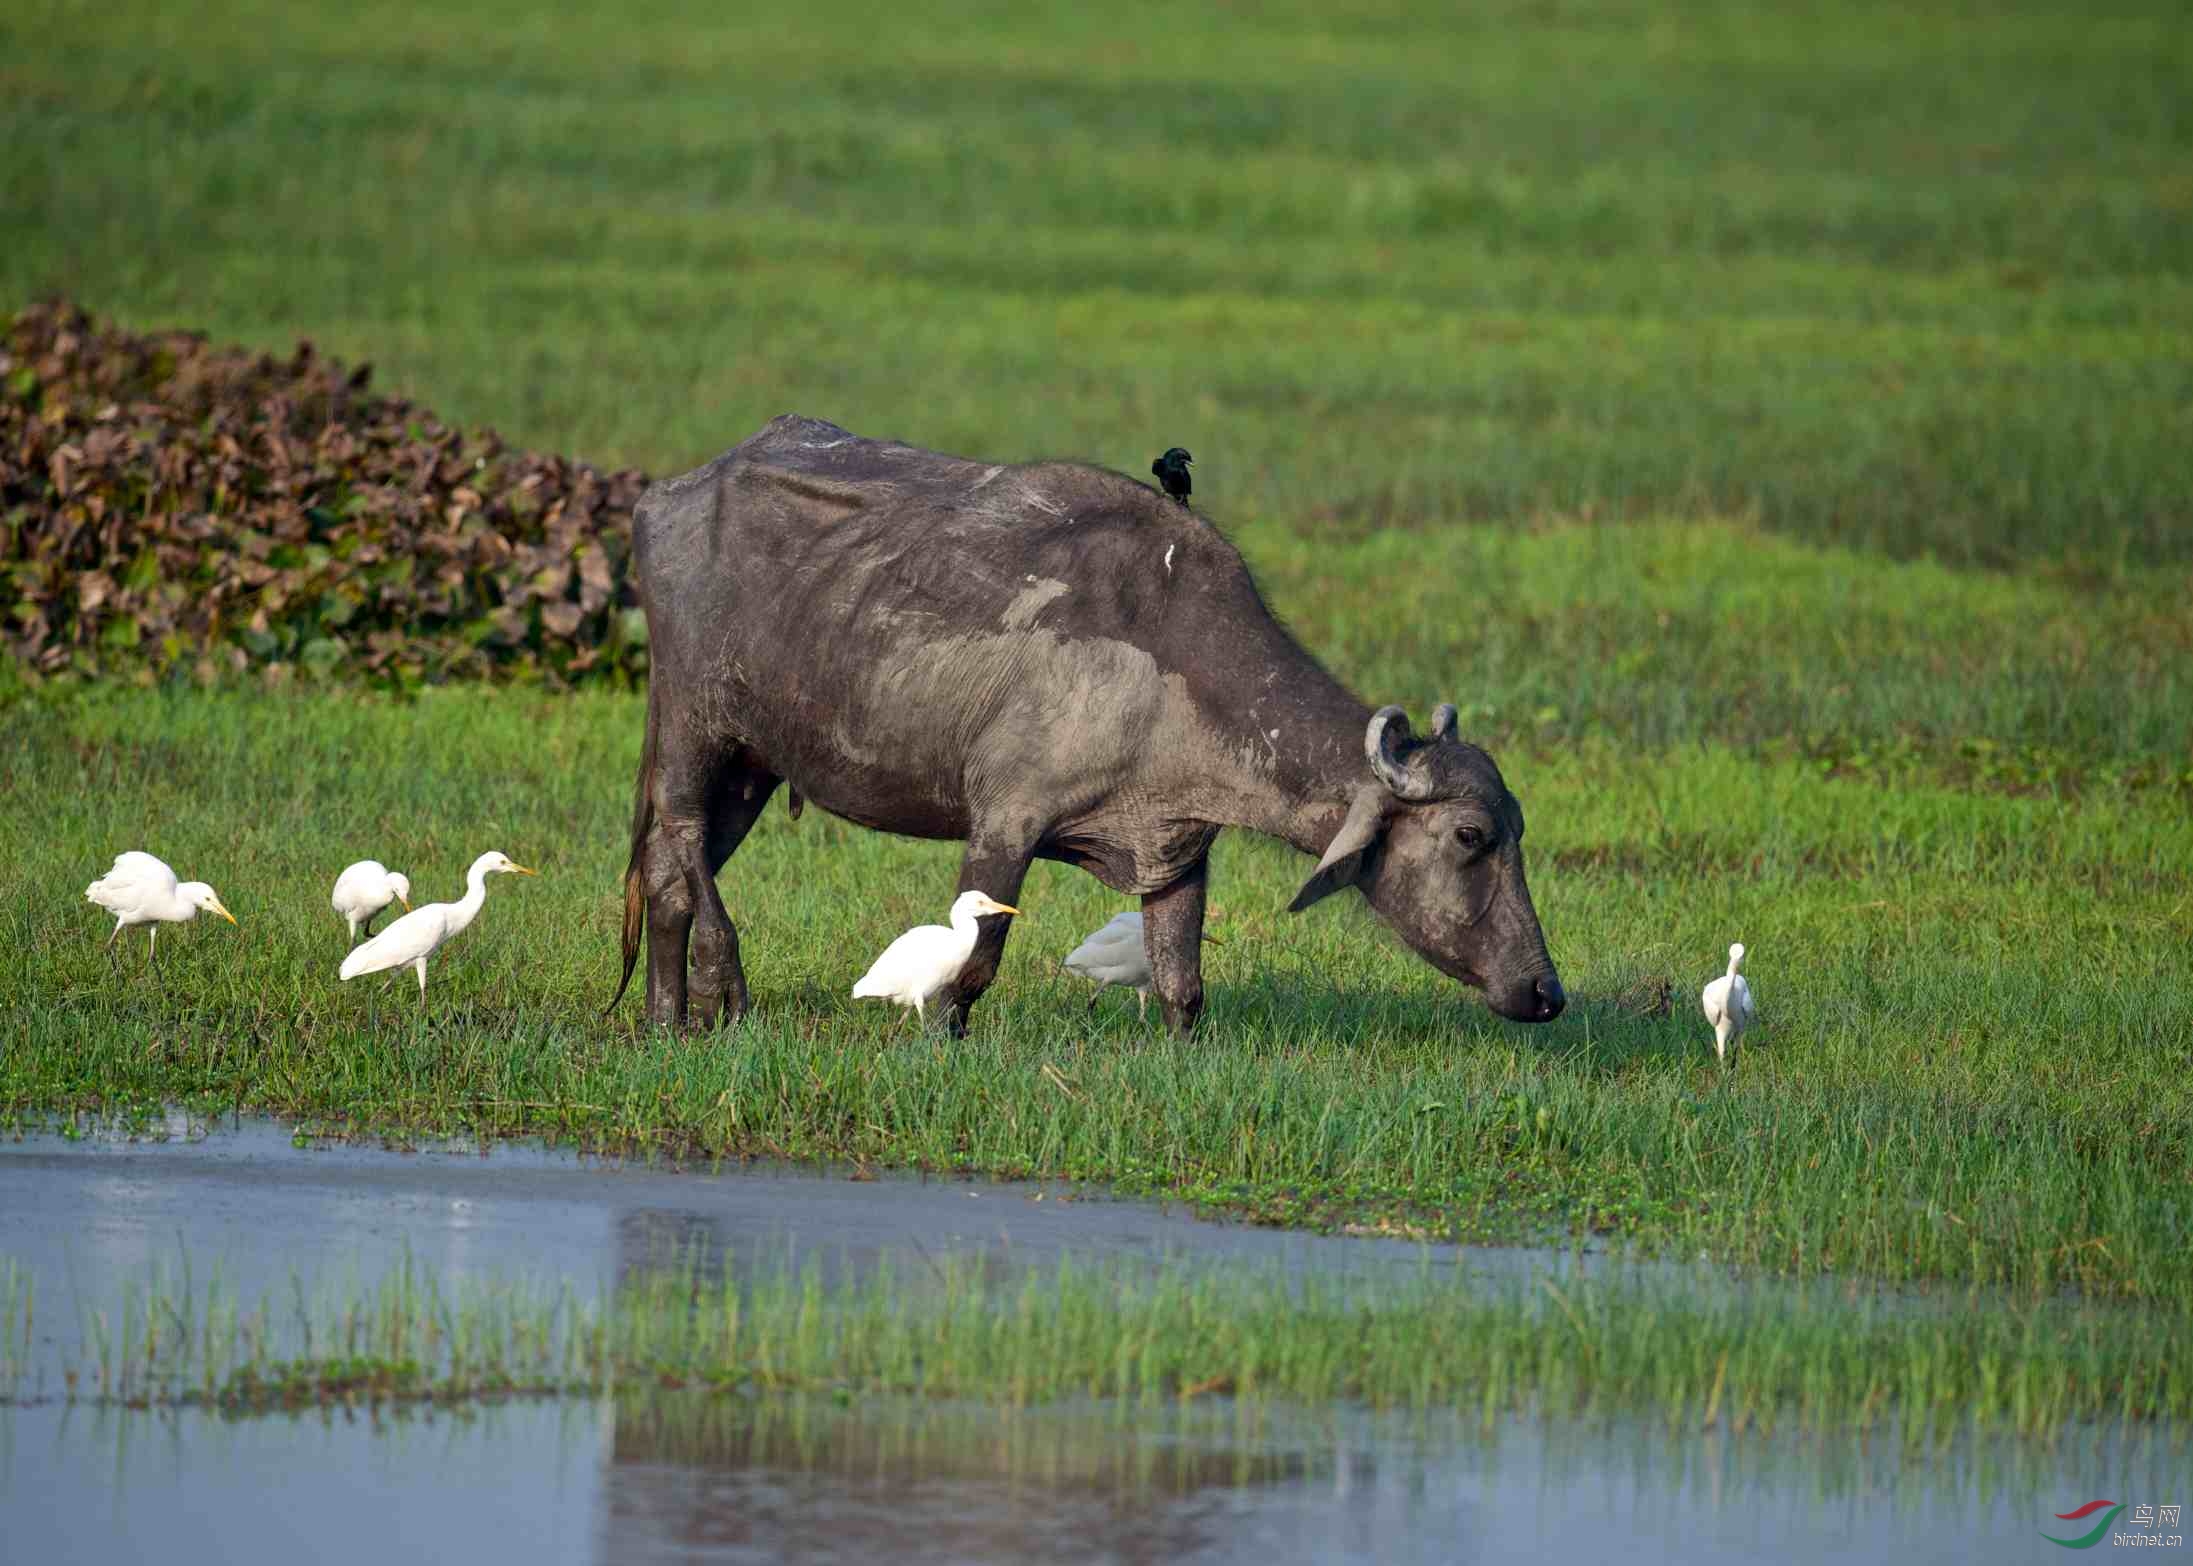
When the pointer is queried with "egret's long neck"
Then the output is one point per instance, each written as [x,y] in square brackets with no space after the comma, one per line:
[1733,962]
[475,897]
[964,926]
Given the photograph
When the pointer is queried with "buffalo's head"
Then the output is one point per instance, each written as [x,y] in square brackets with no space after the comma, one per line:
[1435,841]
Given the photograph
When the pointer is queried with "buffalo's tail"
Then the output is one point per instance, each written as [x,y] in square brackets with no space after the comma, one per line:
[635,873]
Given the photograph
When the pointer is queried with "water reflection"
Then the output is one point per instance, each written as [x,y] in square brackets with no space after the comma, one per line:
[725,1479]
[705,1477]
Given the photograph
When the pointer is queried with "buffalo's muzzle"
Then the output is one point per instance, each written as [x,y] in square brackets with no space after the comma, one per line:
[1536,999]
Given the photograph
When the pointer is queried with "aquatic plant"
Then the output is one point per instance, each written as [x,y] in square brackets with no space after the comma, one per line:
[1139,1338]
[169,505]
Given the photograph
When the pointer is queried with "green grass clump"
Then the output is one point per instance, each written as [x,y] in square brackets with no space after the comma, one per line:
[1428,1341]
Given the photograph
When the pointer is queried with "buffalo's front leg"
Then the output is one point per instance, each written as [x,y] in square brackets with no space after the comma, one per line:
[1172,940]
[995,864]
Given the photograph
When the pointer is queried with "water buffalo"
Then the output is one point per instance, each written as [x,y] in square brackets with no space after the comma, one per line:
[1045,661]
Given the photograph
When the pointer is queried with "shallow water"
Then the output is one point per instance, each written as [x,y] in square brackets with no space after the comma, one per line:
[86,1215]
[693,1477]
[698,1479]
[83,1215]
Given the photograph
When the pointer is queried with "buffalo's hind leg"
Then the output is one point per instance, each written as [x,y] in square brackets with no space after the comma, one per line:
[669,926]
[719,981]
[703,810]
[1172,939]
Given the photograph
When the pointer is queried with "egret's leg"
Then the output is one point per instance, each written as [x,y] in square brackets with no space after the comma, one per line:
[1102,985]
[420,966]
[1142,1004]
[1172,940]
[996,862]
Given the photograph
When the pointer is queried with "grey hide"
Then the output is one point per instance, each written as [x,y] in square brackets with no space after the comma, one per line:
[1050,661]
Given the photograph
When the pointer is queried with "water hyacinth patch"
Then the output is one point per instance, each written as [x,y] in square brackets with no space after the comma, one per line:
[170,506]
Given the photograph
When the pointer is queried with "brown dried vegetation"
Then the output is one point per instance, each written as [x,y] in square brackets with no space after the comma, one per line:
[166,506]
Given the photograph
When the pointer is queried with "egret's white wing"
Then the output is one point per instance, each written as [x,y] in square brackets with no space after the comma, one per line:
[1119,940]
[909,963]
[149,868]
[362,885]
[1114,967]
[1714,998]
[413,936]
[1740,997]
[137,877]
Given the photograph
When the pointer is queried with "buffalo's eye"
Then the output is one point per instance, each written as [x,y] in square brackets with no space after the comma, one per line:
[1471,836]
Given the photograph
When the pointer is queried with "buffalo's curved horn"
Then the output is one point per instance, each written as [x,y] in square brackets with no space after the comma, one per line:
[1443,721]
[1381,744]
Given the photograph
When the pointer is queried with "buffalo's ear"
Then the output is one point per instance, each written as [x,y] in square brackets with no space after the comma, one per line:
[1344,856]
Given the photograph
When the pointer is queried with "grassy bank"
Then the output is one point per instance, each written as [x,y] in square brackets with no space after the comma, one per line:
[1432,1342]
[1968,939]
[1894,276]
[1774,438]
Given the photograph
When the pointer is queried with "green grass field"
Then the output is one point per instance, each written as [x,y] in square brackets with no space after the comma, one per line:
[1776,433]
[1976,1003]
[1911,277]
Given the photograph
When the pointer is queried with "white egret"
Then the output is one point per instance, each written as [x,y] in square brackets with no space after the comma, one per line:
[363,890]
[1727,1001]
[1114,955]
[143,890]
[422,932]
[928,957]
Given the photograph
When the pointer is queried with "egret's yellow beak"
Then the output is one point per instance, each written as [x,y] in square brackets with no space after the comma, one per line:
[522,870]
[405,901]
[998,908]
[223,912]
